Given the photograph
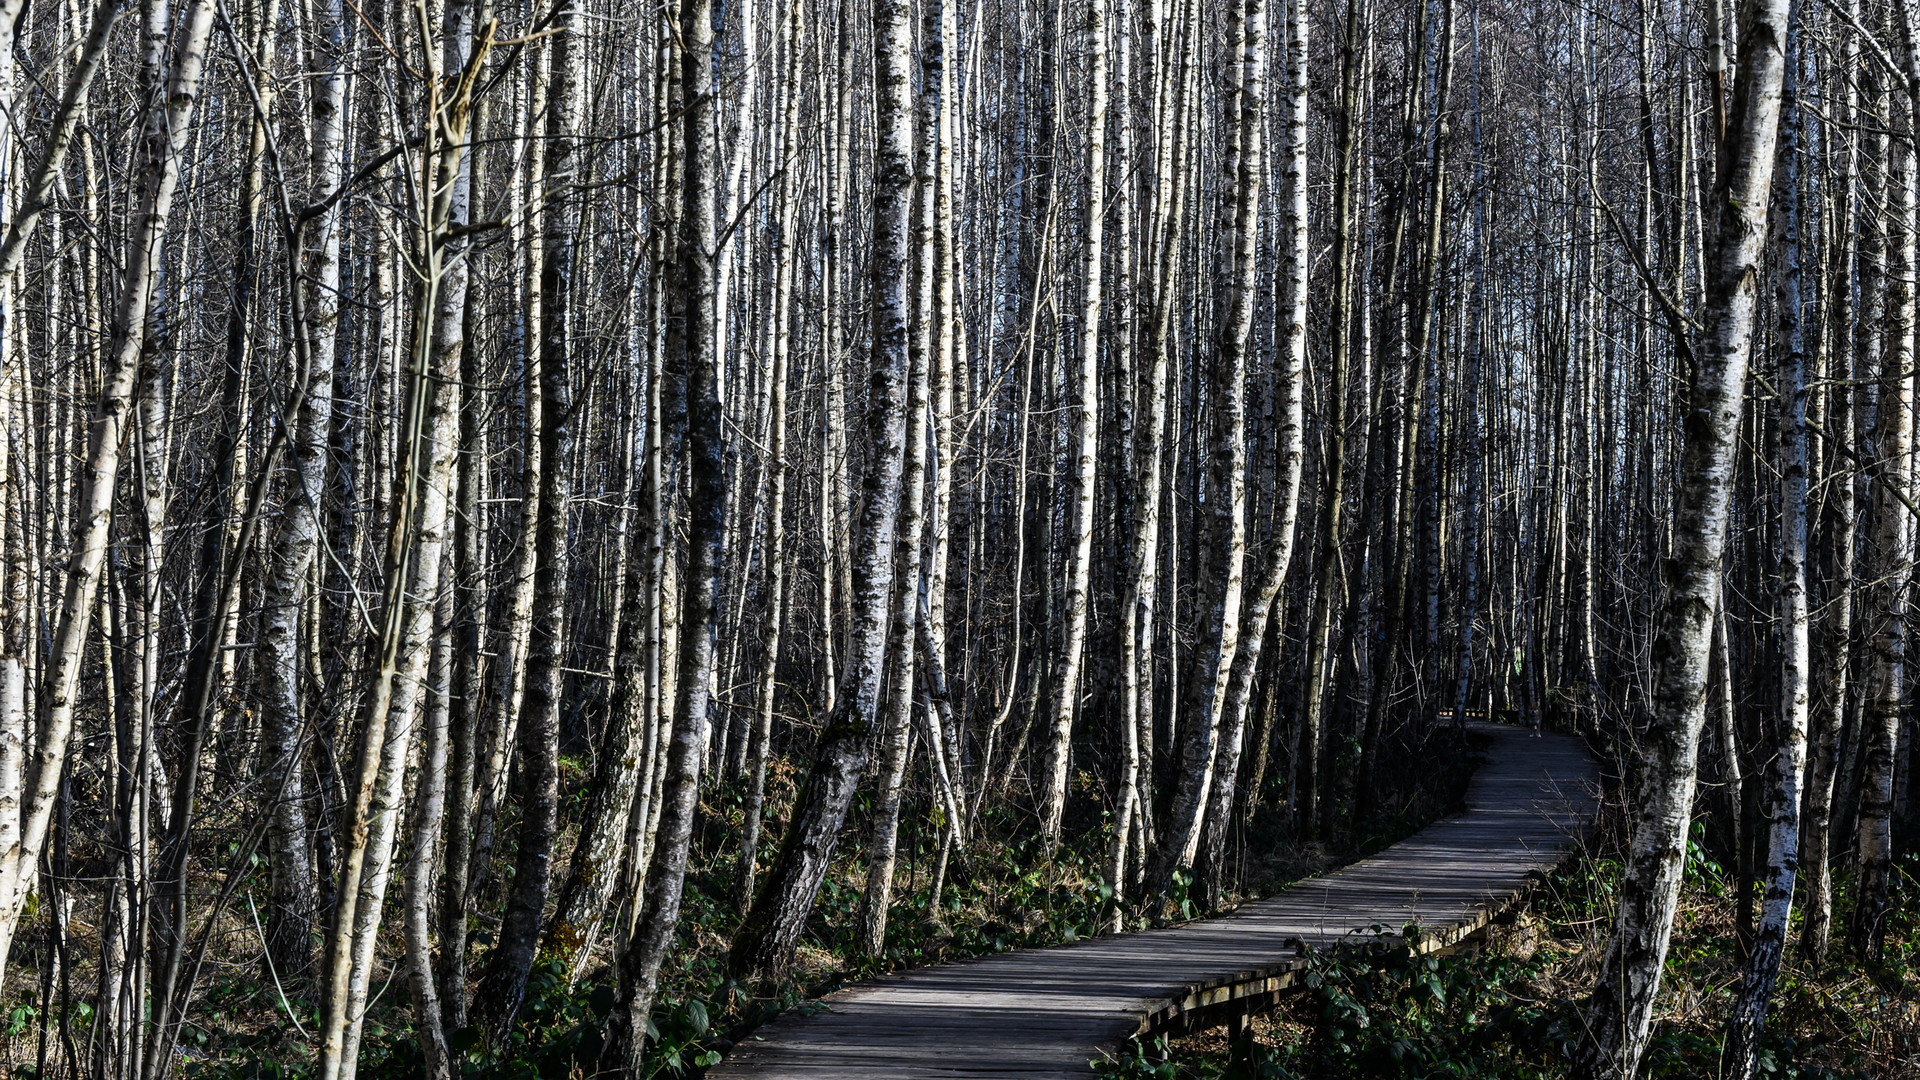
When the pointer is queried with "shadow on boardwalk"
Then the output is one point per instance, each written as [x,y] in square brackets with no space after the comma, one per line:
[1046,1012]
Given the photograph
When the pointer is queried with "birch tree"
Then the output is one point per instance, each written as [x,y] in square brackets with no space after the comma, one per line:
[1066,688]
[1784,784]
[539,752]
[291,914]
[765,941]
[1889,544]
[1619,1013]
[168,124]
[692,351]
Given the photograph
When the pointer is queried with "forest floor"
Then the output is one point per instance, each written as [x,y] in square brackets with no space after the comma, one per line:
[250,1024]
[1507,1007]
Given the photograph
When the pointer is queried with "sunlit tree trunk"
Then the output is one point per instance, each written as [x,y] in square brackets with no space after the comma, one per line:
[1620,1010]
[1832,674]
[415,548]
[1784,788]
[774,556]
[1288,439]
[765,942]
[692,355]
[290,914]
[1225,535]
[1138,605]
[1889,547]
[168,124]
[1086,436]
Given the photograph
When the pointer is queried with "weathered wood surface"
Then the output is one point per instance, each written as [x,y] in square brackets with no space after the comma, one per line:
[1047,1012]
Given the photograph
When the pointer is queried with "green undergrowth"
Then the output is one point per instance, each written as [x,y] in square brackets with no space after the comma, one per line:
[1509,1007]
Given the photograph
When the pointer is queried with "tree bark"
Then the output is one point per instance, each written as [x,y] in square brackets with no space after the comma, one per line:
[1315,813]
[1225,536]
[764,944]
[1289,456]
[1086,439]
[1784,790]
[1854,339]
[539,731]
[1620,1011]
[1890,545]
[774,556]
[692,353]
[168,124]
[291,908]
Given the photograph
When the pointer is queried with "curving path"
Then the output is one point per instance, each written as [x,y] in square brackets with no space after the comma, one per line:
[1046,1012]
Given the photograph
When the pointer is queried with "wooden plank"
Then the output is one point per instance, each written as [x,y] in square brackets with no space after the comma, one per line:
[1047,1012]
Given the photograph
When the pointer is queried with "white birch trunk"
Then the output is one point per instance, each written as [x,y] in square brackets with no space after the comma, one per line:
[1889,545]
[1620,1011]
[765,942]
[1790,752]
[1086,444]
[692,351]
[289,567]
[1260,604]
[168,125]
[773,557]
[416,544]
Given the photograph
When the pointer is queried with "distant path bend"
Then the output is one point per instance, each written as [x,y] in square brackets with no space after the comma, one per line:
[1047,1012]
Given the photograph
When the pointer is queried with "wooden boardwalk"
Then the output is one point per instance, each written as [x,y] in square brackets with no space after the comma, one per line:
[1047,1012]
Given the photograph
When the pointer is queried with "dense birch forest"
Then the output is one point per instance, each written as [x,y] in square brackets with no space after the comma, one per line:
[534,535]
